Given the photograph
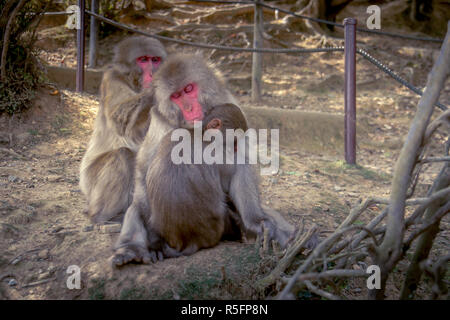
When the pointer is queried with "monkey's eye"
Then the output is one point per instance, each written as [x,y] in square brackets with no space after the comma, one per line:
[143,59]
[188,88]
[175,95]
[156,59]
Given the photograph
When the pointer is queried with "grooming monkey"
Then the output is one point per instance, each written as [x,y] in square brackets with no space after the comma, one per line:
[187,89]
[107,168]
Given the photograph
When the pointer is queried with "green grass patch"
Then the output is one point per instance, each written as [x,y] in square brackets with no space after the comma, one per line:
[97,289]
[340,167]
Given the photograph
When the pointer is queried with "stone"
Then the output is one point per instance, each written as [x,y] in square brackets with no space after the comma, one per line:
[12,282]
[88,228]
[110,228]
[43,254]
[23,138]
[44,275]
[13,179]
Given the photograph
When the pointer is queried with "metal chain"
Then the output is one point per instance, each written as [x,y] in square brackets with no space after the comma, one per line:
[395,76]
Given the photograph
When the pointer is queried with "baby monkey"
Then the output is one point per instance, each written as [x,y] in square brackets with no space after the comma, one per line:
[189,203]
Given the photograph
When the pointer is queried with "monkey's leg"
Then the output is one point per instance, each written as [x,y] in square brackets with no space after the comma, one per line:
[111,176]
[132,244]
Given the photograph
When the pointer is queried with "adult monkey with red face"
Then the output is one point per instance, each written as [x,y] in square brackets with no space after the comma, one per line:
[106,173]
[186,89]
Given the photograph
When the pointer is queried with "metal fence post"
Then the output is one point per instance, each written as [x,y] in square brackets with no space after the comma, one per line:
[257,56]
[350,90]
[80,49]
[93,36]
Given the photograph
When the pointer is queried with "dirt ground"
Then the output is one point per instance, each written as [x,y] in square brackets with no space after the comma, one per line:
[43,230]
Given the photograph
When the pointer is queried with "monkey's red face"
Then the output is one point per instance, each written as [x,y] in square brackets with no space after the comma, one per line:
[148,65]
[187,100]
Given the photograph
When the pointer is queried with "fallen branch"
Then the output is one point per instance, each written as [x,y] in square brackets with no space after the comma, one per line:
[36,283]
[435,159]
[335,273]
[291,253]
[320,292]
[317,252]
[13,153]
[426,225]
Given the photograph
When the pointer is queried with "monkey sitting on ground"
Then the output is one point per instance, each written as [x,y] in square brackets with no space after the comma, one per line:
[107,168]
[187,89]
[189,202]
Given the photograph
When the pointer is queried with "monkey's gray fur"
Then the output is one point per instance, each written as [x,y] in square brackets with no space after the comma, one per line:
[107,168]
[139,238]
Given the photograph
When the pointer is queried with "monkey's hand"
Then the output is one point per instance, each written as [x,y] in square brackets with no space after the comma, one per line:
[276,232]
[119,119]
[129,118]
[135,253]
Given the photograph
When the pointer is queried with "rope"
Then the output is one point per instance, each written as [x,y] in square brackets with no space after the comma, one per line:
[363,53]
[210,46]
[339,25]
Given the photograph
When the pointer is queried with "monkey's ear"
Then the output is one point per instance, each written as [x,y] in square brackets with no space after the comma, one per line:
[214,124]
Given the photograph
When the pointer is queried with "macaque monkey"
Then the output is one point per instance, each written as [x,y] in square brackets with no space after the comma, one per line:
[187,90]
[189,201]
[107,168]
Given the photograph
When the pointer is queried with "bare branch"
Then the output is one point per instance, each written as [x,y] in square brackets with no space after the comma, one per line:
[6,39]
[317,252]
[290,255]
[335,273]
[443,118]
[320,292]
[437,272]
[435,159]
[427,224]
[390,250]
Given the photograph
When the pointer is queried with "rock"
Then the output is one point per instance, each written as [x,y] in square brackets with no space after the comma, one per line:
[274,180]
[110,228]
[12,282]
[44,275]
[353,194]
[43,254]
[88,228]
[23,138]
[20,216]
[52,268]
[54,178]
[58,229]
[13,179]
[4,138]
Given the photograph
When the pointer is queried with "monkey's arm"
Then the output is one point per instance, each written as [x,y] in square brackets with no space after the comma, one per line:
[123,107]
[244,193]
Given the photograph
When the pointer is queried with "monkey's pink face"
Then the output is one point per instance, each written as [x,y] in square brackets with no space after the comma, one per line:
[187,100]
[148,65]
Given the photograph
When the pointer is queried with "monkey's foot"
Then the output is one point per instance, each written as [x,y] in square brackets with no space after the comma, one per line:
[135,253]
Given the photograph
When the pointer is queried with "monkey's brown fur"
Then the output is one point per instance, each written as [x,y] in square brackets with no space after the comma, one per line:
[138,234]
[188,202]
[107,168]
